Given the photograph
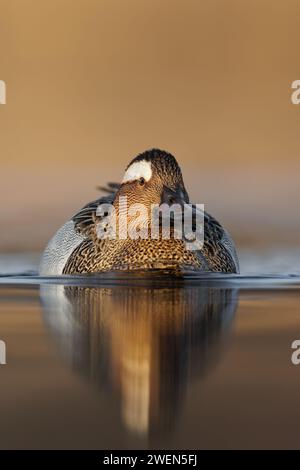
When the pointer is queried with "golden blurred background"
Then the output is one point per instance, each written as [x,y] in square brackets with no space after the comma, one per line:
[91,83]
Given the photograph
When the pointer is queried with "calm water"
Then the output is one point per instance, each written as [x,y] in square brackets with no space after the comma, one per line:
[139,362]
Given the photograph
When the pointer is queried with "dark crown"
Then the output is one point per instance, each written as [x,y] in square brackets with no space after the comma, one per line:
[162,161]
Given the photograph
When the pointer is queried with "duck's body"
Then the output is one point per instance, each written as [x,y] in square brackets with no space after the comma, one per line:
[77,249]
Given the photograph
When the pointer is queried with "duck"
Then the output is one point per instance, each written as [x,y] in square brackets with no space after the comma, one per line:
[151,178]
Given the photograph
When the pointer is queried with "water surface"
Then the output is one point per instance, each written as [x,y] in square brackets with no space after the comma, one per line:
[150,362]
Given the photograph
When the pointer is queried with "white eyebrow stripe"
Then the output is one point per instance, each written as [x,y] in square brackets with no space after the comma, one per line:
[141,169]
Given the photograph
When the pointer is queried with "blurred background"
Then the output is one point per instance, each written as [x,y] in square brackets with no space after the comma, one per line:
[91,83]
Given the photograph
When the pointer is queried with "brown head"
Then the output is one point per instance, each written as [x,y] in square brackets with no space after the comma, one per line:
[154,177]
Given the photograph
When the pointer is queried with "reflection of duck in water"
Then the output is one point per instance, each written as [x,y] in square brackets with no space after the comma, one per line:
[152,178]
[144,343]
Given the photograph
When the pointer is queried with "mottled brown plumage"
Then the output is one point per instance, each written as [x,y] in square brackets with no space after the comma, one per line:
[98,255]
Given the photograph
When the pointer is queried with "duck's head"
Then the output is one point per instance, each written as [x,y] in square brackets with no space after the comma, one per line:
[154,177]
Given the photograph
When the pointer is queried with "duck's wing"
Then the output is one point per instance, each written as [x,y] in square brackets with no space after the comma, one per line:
[85,218]
[73,235]
[219,245]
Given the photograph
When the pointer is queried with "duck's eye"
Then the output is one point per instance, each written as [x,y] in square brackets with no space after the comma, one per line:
[141,181]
